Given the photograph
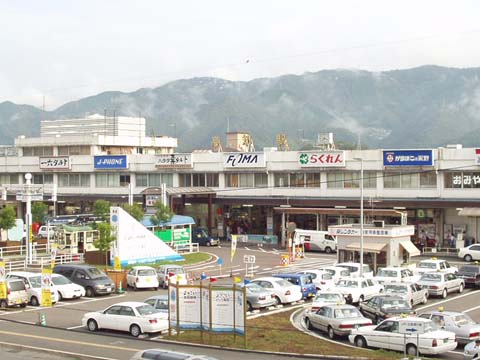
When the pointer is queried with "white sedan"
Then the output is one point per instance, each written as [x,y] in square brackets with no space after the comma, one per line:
[285,292]
[386,335]
[66,288]
[134,317]
[322,279]
[395,274]
[142,277]
[356,290]
[470,253]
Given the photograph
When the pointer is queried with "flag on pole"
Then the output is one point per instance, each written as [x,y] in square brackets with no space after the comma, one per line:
[234,247]
[245,281]
[237,279]
[212,279]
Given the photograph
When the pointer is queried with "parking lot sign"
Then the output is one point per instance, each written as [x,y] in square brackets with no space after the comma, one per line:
[411,327]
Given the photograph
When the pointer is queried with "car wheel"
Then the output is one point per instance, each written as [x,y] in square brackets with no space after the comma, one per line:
[135,330]
[460,289]
[331,333]
[425,299]
[34,301]
[468,258]
[328,250]
[377,319]
[60,296]
[164,285]
[444,293]
[89,292]
[92,325]
[3,304]
[249,306]
[361,299]
[411,303]
[308,324]
[208,243]
[360,342]
[411,350]
[135,287]
[278,301]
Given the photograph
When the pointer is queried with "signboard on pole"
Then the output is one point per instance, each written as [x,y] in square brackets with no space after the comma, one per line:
[3,284]
[53,252]
[46,292]
[411,326]
[234,247]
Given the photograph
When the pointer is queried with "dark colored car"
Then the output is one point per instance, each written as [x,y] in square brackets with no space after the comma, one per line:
[201,237]
[380,307]
[95,281]
[470,274]
[303,280]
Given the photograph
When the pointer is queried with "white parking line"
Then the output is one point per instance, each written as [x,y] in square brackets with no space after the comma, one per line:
[447,300]
[471,309]
[74,327]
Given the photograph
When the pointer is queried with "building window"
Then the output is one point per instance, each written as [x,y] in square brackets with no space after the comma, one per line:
[73,180]
[185,180]
[281,179]
[74,150]
[313,179]
[212,179]
[260,180]
[155,179]
[428,179]
[107,180]
[9,179]
[42,179]
[38,151]
[462,180]
[335,179]
[297,179]
[124,180]
[351,179]
[198,179]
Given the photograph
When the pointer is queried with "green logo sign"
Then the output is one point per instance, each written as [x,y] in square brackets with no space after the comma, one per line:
[303,159]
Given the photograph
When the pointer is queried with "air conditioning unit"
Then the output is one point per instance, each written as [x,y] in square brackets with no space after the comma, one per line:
[378,223]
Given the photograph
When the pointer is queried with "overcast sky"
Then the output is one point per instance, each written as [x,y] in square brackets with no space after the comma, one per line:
[67,50]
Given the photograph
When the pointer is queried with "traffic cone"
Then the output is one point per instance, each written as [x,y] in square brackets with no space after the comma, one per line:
[120,289]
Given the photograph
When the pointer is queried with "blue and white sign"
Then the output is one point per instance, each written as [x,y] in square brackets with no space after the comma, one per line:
[407,157]
[244,160]
[110,162]
[411,326]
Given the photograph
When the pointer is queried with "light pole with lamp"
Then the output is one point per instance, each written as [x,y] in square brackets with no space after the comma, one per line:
[361,214]
[28,216]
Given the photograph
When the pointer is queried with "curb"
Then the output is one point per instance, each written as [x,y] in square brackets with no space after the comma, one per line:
[50,351]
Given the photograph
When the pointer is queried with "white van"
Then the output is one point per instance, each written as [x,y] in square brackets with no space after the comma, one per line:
[314,240]
[44,230]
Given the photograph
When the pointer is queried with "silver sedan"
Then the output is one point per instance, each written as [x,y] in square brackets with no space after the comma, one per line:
[336,320]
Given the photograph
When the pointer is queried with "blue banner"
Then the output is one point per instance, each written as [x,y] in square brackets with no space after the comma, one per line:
[407,157]
[110,162]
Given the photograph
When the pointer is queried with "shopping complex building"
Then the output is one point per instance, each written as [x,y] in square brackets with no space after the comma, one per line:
[240,190]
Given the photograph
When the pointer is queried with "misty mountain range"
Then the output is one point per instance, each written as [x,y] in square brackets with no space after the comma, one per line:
[428,106]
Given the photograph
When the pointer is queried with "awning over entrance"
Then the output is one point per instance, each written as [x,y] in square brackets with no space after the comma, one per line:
[367,247]
[410,247]
[472,211]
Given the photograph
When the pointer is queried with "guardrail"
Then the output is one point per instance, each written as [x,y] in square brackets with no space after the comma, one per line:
[20,250]
[18,265]
[442,250]
[189,248]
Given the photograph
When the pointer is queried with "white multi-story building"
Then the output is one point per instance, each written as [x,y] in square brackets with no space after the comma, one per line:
[254,192]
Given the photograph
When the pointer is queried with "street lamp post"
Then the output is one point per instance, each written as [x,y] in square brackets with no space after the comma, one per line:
[28,216]
[361,214]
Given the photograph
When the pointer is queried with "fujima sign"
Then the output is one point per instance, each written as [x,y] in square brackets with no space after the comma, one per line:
[408,158]
[244,160]
[110,162]
[321,158]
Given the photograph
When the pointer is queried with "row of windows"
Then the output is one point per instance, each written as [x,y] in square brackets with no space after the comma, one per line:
[335,179]
[62,150]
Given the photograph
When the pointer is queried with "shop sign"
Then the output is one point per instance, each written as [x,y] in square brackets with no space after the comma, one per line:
[374,232]
[110,162]
[173,161]
[408,158]
[321,158]
[54,163]
[244,160]
[150,200]
[477,156]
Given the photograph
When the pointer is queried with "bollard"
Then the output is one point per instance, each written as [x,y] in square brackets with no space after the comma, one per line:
[285,261]
[119,288]
[42,319]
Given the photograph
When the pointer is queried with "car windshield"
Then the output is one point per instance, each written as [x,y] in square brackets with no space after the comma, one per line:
[462,319]
[347,313]
[176,270]
[330,271]
[60,280]
[348,283]
[255,288]
[283,283]
[387,273]
[427,265]
[146,309]
[147,272]
[202,233]
[352,269]
[330,297]
[395,288]
[35,281]
[94,273]
[431,277]
[395,304]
